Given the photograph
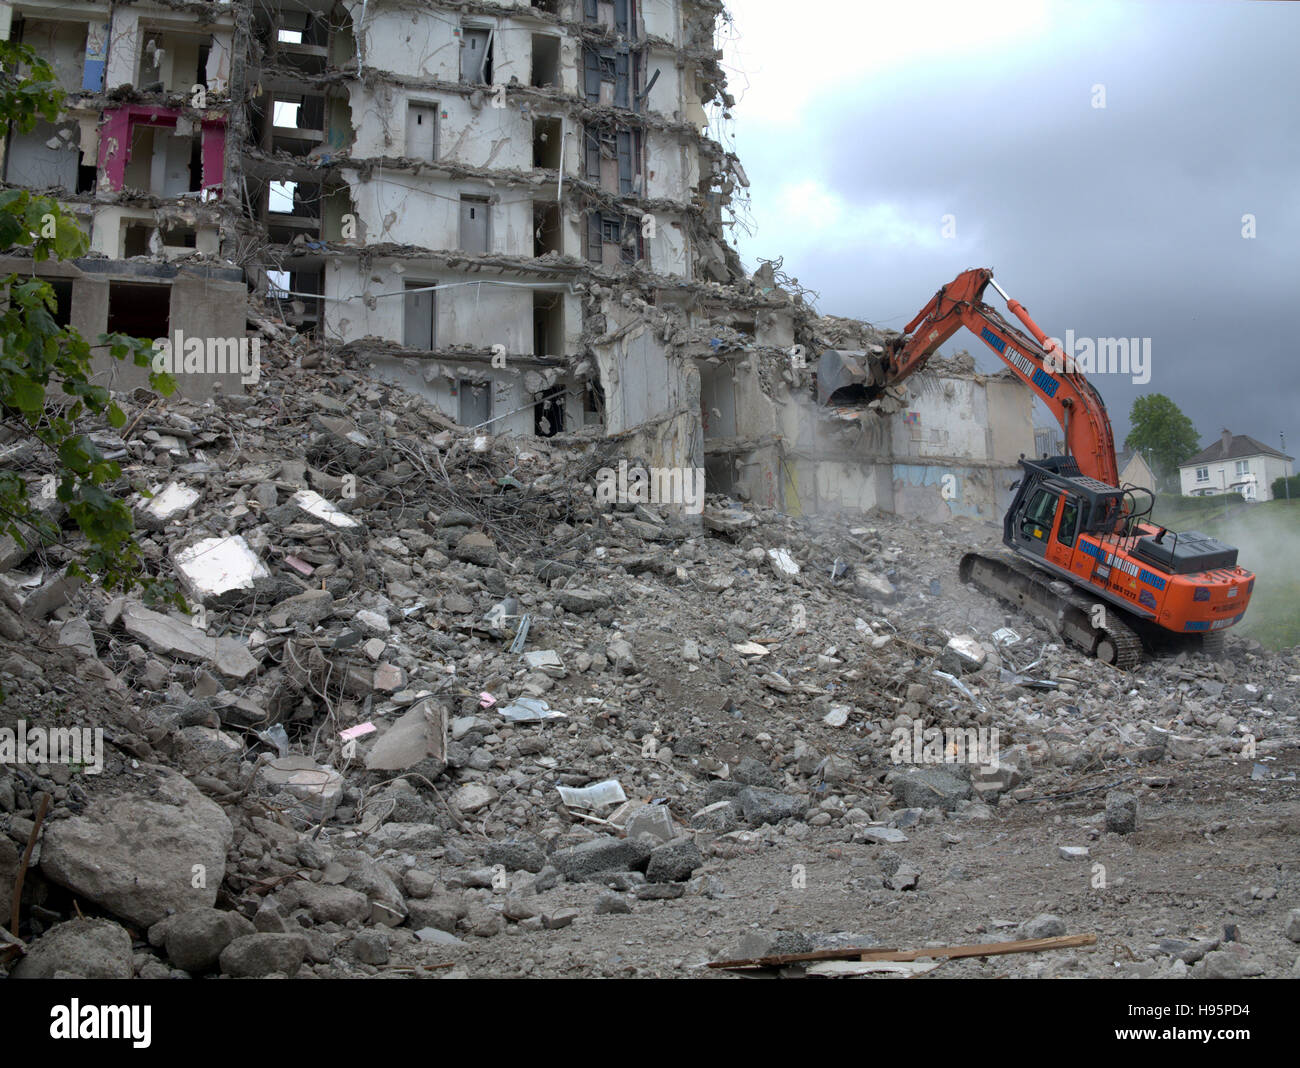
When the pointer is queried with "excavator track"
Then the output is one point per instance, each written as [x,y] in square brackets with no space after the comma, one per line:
[1064,609]
[1215,645]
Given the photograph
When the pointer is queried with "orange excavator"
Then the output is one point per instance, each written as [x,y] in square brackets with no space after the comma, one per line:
[1084,558]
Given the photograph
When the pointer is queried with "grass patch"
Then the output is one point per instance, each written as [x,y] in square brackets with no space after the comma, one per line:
[1193,513]
[1267,536]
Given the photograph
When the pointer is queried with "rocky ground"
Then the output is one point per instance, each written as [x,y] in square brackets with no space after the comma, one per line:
[337,765]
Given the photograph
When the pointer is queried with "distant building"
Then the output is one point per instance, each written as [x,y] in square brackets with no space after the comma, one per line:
[1135,471]
[1047,441]
[1235,463]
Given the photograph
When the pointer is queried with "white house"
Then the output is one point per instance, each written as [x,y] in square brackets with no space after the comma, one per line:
[1235,463]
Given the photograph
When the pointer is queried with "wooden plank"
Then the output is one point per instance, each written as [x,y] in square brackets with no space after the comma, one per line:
[838,968]
[876,953]
[987,949]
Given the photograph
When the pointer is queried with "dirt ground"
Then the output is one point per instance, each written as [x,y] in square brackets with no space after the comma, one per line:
[1210,839]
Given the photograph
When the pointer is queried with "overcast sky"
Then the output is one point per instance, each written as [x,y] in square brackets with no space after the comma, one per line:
[862,124]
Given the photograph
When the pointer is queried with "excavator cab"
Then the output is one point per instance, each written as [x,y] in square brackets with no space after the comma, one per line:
[1053,485]
[1037,518]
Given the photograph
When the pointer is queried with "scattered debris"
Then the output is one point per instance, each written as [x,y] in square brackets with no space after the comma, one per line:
[873,953]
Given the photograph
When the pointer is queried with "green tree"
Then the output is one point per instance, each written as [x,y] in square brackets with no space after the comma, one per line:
[37,355]
[1161,432]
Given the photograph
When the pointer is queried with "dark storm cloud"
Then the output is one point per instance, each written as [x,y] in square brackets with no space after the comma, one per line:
[1122,221]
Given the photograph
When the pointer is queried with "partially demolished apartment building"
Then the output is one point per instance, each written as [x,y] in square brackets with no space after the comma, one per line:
[515,209]
[136,161]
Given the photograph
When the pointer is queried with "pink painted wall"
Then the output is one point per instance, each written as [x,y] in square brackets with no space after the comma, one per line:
[115,141]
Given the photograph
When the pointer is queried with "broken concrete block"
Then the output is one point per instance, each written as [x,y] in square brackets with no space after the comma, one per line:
[620,655]
[372,623]
[389,678]
[194,940]
[180,640]
[1231,961]
[674,861]
[581,862]
[167,505]
[420,734]
[838,716]
[134,854]
[309,608]
[476,548]
[1044,925]
[930,788]
[545,660]
[553,921]
[581,600]
[721,817]
[1292,929]
[312,504]
[782,563]
[993,779]
[761,805]
[330,903]
[52,596]
[11,553]
[1121,812]
[653,820]
[610,904]
[255,955]
[77,634]
[904,877]
[867,583]
[726,521]
[215,567]
[473,796]
[318,787]
[965,653]
[884,835]
[87,949]
[515,856]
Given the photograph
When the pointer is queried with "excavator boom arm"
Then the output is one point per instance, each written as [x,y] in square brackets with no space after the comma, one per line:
[1071,398]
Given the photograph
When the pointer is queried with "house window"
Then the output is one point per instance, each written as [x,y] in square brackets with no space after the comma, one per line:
[613,239]
[1202,474]
[611,67]
[1243,468]
[618,13]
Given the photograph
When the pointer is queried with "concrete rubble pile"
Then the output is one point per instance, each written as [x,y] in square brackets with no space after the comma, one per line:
[432,697]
